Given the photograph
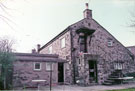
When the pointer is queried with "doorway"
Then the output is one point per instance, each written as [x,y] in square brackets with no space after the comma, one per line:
[93,71]
[60,72]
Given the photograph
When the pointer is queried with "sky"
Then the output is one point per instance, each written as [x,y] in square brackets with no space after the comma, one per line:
[32,22]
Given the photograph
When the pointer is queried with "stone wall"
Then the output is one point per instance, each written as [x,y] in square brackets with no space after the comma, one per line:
[132,49]
[64,53]
[97,44]
[24,73]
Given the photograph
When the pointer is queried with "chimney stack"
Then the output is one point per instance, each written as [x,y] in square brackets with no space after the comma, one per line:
[87,12]
[38,47]
[33,50]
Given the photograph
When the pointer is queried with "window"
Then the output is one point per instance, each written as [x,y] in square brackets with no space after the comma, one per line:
[50,50]
[89,24]
[63,43]
[129,49]
[118,66]
[79,62]
[110,43]
[49,66]
[37,66]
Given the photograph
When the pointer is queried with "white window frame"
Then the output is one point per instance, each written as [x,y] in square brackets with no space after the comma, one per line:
[35,66]
[110,43]
[50,50]
[129,49]
[63,42]
[118,66]
[48,66]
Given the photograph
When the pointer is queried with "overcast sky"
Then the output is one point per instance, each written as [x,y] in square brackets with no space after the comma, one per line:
[32,22]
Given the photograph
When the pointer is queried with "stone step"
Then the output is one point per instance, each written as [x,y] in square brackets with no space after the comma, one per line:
[113,76]
[107,83]
[111,80]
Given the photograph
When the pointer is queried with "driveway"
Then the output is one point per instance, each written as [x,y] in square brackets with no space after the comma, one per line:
[89,88]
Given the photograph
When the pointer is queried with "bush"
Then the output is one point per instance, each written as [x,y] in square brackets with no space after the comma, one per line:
[1,84]
[131,74]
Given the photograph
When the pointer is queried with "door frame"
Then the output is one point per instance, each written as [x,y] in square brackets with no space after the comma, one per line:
[95,70]
[62,72]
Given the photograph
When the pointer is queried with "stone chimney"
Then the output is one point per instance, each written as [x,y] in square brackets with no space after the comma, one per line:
[33,50]
[38,47]
[87,12]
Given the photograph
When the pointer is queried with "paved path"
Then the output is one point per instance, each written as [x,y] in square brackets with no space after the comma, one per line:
[89,88]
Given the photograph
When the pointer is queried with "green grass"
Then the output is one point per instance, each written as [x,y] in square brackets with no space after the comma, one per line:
[129,89]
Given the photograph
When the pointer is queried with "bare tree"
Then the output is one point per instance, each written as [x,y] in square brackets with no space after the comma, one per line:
[6,45]
[6,60]
[5,15]
[132,14]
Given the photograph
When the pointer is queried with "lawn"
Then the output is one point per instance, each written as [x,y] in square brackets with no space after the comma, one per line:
[129,89]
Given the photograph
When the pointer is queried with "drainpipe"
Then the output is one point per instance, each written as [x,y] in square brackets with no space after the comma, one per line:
[73,57]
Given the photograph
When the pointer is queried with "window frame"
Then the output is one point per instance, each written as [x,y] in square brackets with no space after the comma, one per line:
[63,42]
[129,49]
[48,69]
[50,49]
[39,66]
[118,66]
[109,43]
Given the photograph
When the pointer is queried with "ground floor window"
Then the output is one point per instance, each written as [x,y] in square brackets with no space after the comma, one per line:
[49,66]
[37,66]
[118,66]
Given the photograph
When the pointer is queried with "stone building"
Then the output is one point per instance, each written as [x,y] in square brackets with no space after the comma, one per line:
[92,53]
[131,49]
[30,67]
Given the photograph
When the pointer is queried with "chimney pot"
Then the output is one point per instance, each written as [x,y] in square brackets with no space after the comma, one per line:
[87,6]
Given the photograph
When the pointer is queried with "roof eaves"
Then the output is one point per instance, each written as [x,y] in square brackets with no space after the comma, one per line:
[64,31]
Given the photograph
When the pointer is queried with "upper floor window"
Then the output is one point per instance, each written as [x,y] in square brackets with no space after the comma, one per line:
[110,43]
[63,43]
[37,66]
[129,49]
[50,49]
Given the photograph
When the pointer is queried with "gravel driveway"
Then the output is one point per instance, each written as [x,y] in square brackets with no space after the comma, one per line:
[89,88]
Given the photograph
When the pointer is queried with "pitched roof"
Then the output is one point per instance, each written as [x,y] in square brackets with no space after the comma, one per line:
[130,53]
[68,28]
[56,37]
[60,34]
